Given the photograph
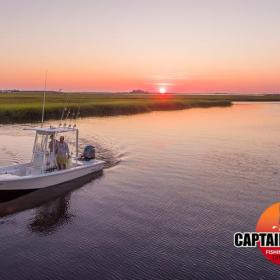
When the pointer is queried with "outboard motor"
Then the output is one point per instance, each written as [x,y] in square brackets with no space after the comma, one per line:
[89,152]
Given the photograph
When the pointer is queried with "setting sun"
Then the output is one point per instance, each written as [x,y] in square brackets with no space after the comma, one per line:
[162,90]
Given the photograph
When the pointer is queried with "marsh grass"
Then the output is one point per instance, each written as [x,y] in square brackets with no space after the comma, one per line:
[27,106]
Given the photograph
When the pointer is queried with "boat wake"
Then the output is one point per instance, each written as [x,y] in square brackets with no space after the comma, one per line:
[105,150]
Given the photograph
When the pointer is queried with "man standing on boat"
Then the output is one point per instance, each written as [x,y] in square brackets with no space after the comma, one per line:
[63,153]
[53,145]
[52,164]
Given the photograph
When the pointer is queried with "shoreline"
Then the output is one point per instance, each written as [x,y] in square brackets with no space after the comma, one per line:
[27,107]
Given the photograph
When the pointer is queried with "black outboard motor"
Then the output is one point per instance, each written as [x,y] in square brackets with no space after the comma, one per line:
[89,153]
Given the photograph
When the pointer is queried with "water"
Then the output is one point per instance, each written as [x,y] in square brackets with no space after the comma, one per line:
[177,186]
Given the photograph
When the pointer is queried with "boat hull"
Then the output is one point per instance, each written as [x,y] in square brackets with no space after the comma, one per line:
[52,178]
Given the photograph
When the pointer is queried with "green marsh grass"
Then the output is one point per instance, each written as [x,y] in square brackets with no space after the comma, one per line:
[22,107]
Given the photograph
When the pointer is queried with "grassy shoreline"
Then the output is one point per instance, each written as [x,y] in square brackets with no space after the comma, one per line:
[26,107]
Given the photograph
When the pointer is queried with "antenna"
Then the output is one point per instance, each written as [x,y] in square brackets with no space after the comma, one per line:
[44,99]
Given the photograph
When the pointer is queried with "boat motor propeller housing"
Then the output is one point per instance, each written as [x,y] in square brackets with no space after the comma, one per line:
[89,152]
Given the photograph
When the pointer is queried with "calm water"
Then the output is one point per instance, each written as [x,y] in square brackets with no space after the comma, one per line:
[176,187]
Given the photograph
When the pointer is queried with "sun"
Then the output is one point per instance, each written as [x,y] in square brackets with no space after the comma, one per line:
[162,90]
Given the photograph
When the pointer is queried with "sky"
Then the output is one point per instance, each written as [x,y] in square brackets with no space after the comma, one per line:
[121,45]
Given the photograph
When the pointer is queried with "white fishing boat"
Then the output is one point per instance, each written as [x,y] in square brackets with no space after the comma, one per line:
[42,171]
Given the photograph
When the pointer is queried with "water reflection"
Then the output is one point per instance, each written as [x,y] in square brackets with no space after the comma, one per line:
[53,204]
[50,216]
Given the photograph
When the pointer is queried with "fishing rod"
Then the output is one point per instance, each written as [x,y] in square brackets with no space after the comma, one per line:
[64,110]
[72,117]
[77,115]
[66,113]
[78,111]
[44,99]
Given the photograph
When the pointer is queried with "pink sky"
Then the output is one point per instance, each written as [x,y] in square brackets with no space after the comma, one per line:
[181,45]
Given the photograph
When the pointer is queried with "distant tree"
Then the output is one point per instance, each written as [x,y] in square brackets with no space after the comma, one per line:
[137,91]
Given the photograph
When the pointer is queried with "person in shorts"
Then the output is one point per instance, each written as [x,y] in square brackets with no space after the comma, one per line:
[63,153]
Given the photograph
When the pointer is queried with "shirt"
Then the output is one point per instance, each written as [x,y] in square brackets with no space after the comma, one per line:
[53,144]
[62,149]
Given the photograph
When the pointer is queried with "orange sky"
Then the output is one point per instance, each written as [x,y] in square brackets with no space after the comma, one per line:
[181,45]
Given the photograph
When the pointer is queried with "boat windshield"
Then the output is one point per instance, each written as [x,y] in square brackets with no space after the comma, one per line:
[40,142]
